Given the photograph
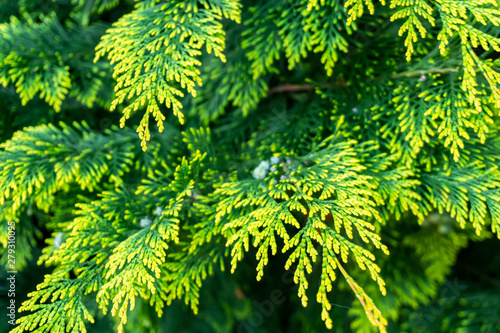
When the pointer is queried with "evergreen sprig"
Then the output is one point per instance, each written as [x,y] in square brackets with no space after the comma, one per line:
[305,137]
[155,51]
[44,57]
[326,203]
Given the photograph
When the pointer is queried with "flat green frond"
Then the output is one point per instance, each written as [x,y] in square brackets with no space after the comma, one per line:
[398,189]
[188,268]
[295,29]
[412,11]
[456,17]
[296,141]
[134,268]
[472,309]
[327,205]
[58,305]
[357,8]
[433,108]
[37,58]
[466,194]
[41,160]
[155,55]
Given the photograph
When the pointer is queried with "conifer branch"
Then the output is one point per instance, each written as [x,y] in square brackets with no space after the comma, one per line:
[397,153]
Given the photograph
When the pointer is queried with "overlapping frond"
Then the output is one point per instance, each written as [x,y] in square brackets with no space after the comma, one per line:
[317,211]
[39,58]
[308,135]
[41,160]
[155,52]
[296,29]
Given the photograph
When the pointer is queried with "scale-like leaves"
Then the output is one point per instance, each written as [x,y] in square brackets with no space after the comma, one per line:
[318,211]
[155,52]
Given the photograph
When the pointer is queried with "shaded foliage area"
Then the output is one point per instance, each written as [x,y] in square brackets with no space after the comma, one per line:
[312,165]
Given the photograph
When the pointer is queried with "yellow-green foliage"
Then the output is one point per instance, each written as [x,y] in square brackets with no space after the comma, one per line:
[155,51]
[38,57]
[51,80]
[332,200]
[338,143]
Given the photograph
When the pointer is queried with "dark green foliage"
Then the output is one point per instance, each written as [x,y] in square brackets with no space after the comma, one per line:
[344,153]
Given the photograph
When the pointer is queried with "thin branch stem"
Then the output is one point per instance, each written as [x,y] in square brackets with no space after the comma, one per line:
[424,71]
[356,291]
[306,87]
